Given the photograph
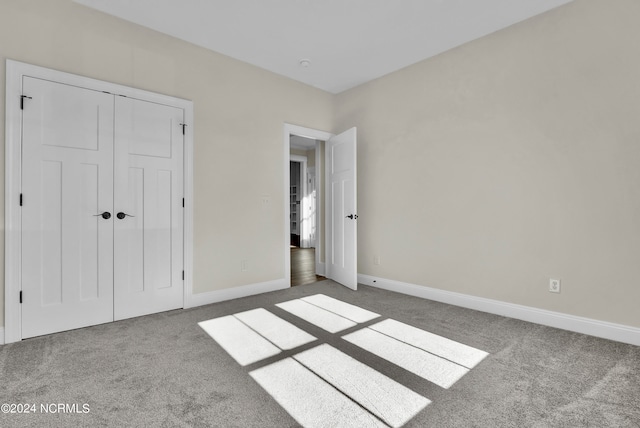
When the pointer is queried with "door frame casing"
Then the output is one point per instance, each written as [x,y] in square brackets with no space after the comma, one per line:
[302,160]
[314,134]
[15,70]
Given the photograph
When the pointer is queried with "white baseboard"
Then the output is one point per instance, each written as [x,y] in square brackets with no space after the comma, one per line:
[603,329]
[234,293]
[320,268]
[201,299]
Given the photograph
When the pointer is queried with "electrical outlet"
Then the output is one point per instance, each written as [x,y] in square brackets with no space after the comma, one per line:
[554,285]
[376,260]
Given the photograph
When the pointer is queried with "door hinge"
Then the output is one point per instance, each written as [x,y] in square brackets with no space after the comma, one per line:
[183,275]
[184,125]
[20,199]
[22,97]
[20,296]
[182,202]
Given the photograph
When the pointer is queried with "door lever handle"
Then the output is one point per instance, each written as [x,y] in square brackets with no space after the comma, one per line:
[352,216]
[105,215]
[122,215]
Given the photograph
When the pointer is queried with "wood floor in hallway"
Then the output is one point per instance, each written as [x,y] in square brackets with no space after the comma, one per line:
[303,266]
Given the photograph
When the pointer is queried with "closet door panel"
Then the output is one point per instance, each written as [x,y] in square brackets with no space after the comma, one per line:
[67,182]
[148,241]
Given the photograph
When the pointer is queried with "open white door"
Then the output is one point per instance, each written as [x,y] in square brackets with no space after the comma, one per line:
[341,209]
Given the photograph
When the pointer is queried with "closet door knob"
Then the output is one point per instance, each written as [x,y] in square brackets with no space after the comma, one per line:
[105,215]
[122,215]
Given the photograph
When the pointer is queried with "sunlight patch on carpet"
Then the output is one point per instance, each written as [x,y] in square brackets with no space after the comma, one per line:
[390,401]
[323,386]
[243,344]
[281,333]
[311,401]
[254,335]
[442,372]
[317,316]
[345,310]
[446,348]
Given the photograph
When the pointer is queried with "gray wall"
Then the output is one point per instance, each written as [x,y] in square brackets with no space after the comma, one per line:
[513,159]
[239,115]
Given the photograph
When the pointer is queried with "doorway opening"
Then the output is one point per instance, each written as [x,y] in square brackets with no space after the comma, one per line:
[336,246]
[304,201]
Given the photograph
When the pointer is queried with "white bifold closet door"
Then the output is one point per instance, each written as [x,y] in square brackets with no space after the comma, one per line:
[89,156]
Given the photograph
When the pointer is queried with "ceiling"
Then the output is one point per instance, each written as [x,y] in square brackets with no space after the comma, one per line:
[302,143]
[347,42]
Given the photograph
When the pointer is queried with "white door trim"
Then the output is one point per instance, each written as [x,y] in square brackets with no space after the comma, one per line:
[303,228]
[13,172]
[314,134]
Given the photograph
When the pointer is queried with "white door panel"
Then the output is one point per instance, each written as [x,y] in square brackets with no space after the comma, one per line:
[88,152]
[149,189]
[67,250]
[341,203]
